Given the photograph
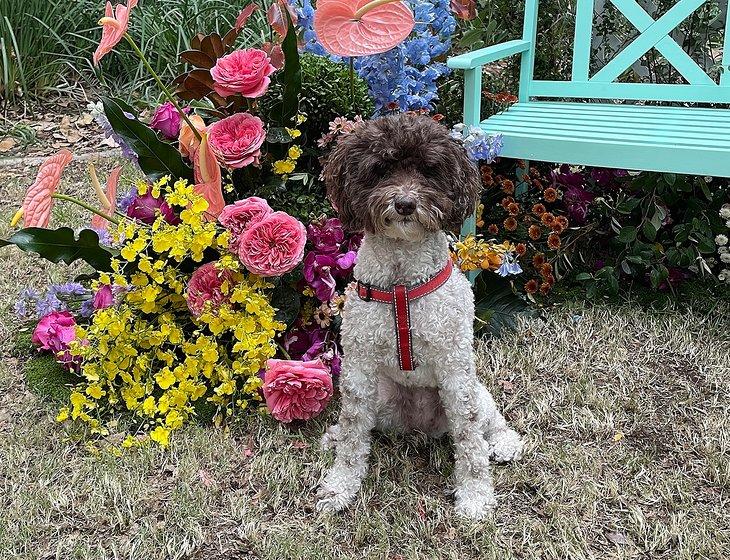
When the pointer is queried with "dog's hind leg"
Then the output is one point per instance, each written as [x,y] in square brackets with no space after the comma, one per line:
[351,436]
[505,443]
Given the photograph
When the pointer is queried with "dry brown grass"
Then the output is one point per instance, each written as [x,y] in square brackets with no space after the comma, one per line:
[625,412]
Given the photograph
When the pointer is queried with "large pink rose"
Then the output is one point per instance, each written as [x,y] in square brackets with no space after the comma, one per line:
[296,390]
[236,141]
[246,72]
[237,217]
[273,246]
[206,285]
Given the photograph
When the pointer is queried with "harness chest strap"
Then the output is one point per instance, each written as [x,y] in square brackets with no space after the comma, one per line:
[400,297]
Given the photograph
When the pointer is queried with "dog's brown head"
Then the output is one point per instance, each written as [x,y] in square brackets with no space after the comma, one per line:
[401,176]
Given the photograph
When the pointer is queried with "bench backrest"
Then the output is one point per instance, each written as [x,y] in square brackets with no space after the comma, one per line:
[652,34]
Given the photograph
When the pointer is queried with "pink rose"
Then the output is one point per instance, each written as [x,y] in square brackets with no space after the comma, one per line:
[104,297]
[54,333]
[237,217]
[167,120]
[206,285]
[236,141]
[273,246]
[246,72]
[296,390]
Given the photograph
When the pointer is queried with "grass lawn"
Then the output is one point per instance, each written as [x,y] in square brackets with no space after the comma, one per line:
[625,413]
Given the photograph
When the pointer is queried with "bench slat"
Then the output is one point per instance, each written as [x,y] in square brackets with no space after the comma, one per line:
[622,109]
[618,154]
[638,92]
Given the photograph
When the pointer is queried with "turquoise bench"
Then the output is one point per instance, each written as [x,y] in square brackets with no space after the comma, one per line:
[637,136]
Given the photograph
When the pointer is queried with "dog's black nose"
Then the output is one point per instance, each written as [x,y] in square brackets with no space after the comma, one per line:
[405,205]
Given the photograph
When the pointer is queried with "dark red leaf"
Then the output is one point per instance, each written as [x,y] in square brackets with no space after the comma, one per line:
[197,41]
[244,15]
[276,15]
[212,45]
[464,9]
[276,54]
[198,59]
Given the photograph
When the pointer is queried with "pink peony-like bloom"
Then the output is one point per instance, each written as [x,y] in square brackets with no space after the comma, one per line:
[206,285]
[296,390]
[54,333]
[273,246]
[245,71]
[104,297]
[167,120]
[237,217]
[236,141]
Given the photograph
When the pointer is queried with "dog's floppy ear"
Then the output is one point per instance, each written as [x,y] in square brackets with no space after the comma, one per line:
[466,184]
[337,179]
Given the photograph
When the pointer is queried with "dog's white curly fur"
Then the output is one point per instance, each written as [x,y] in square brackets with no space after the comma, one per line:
[442,394]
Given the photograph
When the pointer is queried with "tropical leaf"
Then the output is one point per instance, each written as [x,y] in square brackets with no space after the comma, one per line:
[497,306]
[156,158]
[286,301]
[62,245]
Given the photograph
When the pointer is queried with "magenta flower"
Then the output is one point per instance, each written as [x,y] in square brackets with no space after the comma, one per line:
[167,120]
[273,246]
[326,235]
[104,297]
[146,208]
[313,342]
[577,200]
[322,271]
[54,333]
[296,390]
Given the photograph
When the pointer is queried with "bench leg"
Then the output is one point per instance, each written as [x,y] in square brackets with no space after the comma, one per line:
[523,179]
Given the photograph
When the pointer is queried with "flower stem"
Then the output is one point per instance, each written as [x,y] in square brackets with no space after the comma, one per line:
[163,87]
[67,198]
[283,351]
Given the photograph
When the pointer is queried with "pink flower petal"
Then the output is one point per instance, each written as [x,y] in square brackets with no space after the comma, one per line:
[38,202]
[114,26]
[378,30]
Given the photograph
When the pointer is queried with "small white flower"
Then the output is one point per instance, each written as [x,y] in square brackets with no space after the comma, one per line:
[725,258]
[721,240]
[721,250]
[708,179]
[725,211]
[727,224]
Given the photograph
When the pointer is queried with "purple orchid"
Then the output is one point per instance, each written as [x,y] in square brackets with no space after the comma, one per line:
[321,272]
[607,177]
[146,208]
[577,201]
[326,235]
[309,342]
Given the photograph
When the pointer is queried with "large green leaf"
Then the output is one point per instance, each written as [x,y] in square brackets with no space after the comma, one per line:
[62,245]
[156,158]
[496,305]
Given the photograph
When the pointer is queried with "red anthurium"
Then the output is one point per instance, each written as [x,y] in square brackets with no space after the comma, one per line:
[362,27]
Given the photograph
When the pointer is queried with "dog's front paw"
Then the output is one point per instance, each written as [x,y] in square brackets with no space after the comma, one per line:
[337,490]
[475,506]
[329,439]
[505,445]
[332,501]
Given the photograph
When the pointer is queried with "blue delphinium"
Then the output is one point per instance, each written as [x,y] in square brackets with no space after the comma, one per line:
[480,145]
[510,266]
[405,77]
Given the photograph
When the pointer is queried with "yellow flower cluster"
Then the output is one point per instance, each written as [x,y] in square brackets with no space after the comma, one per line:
[147,354]
[287,165]
[475,254]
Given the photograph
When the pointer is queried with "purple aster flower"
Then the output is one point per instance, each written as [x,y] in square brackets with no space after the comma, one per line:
[146,208]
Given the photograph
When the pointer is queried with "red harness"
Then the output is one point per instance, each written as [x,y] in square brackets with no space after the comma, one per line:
[400,296]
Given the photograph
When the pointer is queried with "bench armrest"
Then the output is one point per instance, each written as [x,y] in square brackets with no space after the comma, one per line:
[468,61]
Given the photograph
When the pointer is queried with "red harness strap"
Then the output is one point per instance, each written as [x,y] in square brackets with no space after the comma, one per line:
[400,297]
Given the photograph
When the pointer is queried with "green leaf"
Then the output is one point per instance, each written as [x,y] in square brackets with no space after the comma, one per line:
[670,178]
[649,229]
[583,276]
[291,79]
[286,301]
[278,135]
[496,305]
[627,234]
[628,206]
[61,245]
[156,158]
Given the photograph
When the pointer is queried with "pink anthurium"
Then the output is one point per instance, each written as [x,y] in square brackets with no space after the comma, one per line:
[114,26]
[362,27]
[208,180]
[109,199]
[36,210]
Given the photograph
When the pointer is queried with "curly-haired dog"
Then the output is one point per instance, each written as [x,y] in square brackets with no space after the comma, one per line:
[404,181]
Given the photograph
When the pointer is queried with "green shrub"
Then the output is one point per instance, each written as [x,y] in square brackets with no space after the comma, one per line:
[327,94]
[48,379]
